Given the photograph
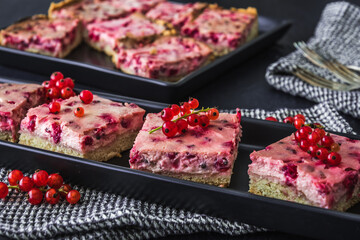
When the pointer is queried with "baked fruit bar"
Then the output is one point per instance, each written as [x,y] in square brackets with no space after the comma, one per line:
[112,35]
[175,13]
[15,100]
[106,128]
[168,58]
[204,155]
[87,11]
[222,29]
[38,34]
[284,171]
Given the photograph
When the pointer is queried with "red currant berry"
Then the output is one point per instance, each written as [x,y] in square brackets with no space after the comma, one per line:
[335,147]
[86,96]
[271,119]
[193,120]
[26,184]
[204,121]
[213,114]
[288,120]
[54,107]
[169,128]
[55,181]
[79,112]
[304,145]
[313,138]
[298,123]
[64,189]
[297,136]
[167,114]
[320,131]
[304,132]
[175,109]
[40,178]
[53,93]
[14,177]
[73,196]
[4,190]
[326,141]
[35,196]
[185,108]
[69,83]
[55,76]
[312,150]
[182,125]
[333,159]
[194,103]
[322,153]
[52,196]
[60,84]
[300,116]
[48,84]
[66,92]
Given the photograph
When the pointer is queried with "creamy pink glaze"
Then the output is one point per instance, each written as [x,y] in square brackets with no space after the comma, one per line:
[205,151]
[102,122]
[135,5]
[286,163]
[175,13]
[135,27]
[49,35]
[15,100]
[166,57]
[221,28]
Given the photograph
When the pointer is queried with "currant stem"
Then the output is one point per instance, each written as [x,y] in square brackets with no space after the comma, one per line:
[14,187]
[182,117]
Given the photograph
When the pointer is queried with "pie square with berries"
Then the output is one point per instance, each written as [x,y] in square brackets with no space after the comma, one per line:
[87,11]
[222,29]
[15,100]
[204,155]
[169,58]
[105,129]
[176,14]
[284,171]
[38,34]
[113,35]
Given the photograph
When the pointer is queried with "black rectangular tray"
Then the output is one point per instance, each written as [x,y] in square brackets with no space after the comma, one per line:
[95,69]
[234,203]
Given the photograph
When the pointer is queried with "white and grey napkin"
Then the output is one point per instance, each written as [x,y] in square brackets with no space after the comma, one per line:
[337,35]
[109,216]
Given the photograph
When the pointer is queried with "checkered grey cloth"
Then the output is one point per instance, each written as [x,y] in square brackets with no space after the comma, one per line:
[104,215]
[337,36]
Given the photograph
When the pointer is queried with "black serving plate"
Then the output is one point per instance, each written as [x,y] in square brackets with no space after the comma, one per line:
[234,203]
[95,69]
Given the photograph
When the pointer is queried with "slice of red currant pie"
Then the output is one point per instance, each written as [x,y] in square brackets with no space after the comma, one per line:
[112,35]
[84,126]
[168,58]
[38,34]
[222,29]
[15,100]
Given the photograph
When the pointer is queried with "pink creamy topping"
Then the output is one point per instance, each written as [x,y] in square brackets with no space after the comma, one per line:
[168,56]
[199,150]
[220,27]
[102,121]
[135,5]
[286,162]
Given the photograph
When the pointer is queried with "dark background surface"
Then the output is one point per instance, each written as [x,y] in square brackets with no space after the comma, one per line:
[244,86]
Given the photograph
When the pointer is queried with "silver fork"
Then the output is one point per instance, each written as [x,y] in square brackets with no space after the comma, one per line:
[338,69]
[315,80]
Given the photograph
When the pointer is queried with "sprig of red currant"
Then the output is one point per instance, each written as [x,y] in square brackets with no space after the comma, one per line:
[313,139]
[188,117]
[58,87]
[36,185]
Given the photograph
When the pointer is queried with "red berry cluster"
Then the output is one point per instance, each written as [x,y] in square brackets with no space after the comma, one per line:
[298,120]
[36,185]
[188,117]
[58,87]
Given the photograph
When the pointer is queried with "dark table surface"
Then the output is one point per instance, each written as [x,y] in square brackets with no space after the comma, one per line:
[244,86]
